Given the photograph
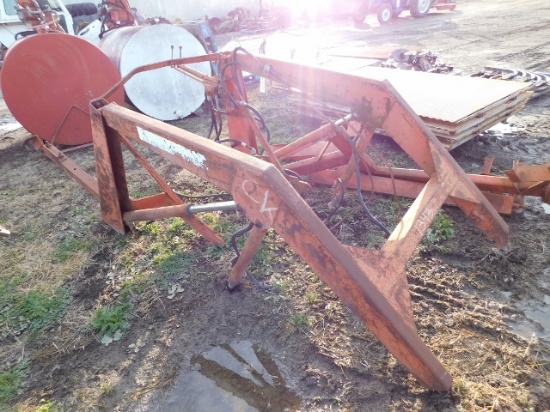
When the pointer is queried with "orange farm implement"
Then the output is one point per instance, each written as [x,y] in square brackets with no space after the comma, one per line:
[265,183]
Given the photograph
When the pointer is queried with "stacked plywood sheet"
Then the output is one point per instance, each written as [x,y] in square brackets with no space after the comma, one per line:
[456,108]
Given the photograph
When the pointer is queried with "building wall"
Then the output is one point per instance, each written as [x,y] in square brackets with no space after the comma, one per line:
[186,10]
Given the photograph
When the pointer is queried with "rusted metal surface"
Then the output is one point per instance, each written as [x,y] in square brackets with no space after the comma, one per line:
[42,20]
[372,283]
[251,246]
[539,82]
[267,198]
[49,92]
[73,169]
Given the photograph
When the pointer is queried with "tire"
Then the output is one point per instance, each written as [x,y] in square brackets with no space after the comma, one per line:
[360,11]
[81,9]
[419,8]
[385,13]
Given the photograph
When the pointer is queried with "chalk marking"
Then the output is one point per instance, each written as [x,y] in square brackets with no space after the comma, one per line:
[164,144]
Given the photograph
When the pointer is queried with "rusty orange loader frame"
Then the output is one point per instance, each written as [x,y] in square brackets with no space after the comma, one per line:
[265,182]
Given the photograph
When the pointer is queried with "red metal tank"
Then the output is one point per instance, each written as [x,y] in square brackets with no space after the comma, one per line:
[48,81]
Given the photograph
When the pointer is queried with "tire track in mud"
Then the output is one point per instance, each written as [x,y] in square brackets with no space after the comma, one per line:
[536,57]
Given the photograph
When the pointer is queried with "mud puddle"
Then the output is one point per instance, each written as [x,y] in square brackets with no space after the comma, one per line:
[238,376]
[537,316]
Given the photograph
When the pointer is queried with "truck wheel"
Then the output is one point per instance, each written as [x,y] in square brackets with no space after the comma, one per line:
[419,8]
[385,13]
[360,11]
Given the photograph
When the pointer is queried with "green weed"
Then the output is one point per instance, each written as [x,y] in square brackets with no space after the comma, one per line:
[12,381]
[312,297]
[282,286]
[141,192]
[300,321]
[153,228]
[441,229]
[176,225]
[108,321]
[49,406]
[107,388]
[263,259]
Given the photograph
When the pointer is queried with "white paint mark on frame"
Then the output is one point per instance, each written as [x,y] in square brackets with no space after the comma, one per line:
[164,144]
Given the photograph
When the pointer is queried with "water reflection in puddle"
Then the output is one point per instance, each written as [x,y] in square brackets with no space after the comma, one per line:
[9,126]
[537,314]
[503,128]
[236,377]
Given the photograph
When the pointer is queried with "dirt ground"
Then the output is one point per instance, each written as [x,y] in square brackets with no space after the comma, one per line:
[188,344]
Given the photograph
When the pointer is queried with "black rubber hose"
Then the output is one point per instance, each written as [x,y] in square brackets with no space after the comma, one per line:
[360,194]
[234,237]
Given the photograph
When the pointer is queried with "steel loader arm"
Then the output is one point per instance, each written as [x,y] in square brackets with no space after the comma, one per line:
[267,199]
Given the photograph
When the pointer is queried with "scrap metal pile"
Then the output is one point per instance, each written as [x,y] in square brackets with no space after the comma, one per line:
[539,82]
[266,181]
[420,60]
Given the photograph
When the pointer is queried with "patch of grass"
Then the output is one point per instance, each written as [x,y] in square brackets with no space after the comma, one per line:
[79,211]
[176,225]
[280,290]
[107,387]
[175,262]
[33,311]
[49,406]
[389,211]
[152,228]
[12,381]
[66,249]
[282,286]
[300,321]
[141,192]
[263,259]
[8,286]
[109,320]
[312,297]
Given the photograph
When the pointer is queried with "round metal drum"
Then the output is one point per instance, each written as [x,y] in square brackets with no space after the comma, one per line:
[48,81]
[164,94]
